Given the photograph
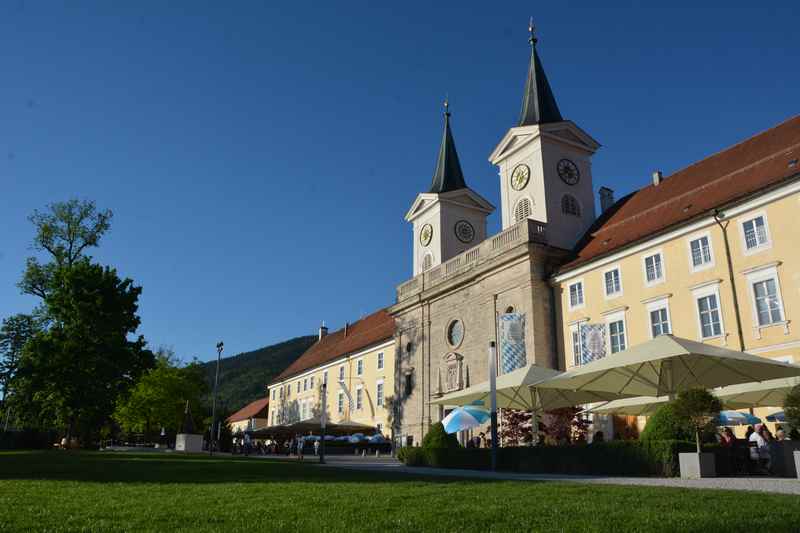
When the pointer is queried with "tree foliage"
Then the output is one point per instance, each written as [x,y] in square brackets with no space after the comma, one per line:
[71,374]
[665,425]
[437,437]
[697,407]
[515,427]
[15,332]
[159,397]
[791,407]
[564,425]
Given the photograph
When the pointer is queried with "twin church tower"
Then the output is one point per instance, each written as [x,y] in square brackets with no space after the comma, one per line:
[545,171]
[466,281]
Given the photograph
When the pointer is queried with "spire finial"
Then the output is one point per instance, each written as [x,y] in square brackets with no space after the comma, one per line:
[532,29]
[446,105]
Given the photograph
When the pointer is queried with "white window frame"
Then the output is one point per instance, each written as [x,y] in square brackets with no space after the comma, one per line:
[359,397]
[761,247]
[341,373]
[605,287]
[656,305]
[575,333]
[305,384]
[582,304]
[311,383]
[645,257]
[360,366]
[689,241]
[340,402]
[380,363]
[298,386]
[757,275]
[273,394]
[616,317]
[380,393]
[707,289]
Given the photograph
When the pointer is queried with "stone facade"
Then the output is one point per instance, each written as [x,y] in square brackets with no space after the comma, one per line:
[506,272]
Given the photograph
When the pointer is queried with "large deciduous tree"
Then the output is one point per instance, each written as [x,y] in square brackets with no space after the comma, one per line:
[72,373]
[15,332]
[158,399]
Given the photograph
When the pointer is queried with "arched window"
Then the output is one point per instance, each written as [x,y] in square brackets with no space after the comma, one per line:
[427,262]
[523,210]
[570,206]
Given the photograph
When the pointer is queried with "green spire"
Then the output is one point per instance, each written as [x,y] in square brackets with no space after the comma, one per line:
[448,175]
[538,102]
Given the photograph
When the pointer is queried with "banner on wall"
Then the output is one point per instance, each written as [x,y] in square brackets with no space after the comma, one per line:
[593,342]
[511,329]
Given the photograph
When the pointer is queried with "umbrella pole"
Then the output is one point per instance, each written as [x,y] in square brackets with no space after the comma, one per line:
[493,400]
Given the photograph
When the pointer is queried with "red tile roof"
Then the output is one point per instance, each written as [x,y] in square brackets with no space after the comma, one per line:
[370,330]
[733,174]
[251,410]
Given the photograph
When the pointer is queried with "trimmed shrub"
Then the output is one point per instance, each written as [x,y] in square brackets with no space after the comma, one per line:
[665,425]
[436,437]
[411,456]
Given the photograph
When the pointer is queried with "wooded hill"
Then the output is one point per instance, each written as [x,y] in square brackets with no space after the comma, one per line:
[244,377]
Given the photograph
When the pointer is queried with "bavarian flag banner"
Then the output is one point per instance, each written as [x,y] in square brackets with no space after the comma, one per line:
[512,341]
[593,342]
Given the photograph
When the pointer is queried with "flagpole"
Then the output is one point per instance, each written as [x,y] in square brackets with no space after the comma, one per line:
[493,399]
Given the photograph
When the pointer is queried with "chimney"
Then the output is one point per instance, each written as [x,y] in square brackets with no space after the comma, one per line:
[658,177]
[606,198]
[323,330]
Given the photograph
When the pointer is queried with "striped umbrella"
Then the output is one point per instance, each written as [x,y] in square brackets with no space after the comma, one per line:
[780,416]
[735,418]
[466,417]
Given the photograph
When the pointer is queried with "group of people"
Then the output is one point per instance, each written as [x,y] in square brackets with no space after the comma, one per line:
[760,442]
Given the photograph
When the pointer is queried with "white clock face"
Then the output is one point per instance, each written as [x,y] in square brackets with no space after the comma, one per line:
[425,235]
[520,177]
[464,231]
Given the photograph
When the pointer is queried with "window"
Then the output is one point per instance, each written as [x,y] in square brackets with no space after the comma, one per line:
[305,384]
[708,308]
[616,335]
[427,262]
[653,269]
[659,322]
[700,249]
[613,283]
[273,394]
[576,344]
[379,427]
[359,367]
[755,233]
[768,304]
[576,295]
[570,206]
[359,398]
[455,333]
[298,386]
[288,390]
[311,382]
[409,384]
[380,360]
[523,210]
[341,373]
[340,402]
[325,378]
[379,394]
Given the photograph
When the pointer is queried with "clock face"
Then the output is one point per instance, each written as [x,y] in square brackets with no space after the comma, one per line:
[520,177]
[464,231]
[425,235]
[568,172]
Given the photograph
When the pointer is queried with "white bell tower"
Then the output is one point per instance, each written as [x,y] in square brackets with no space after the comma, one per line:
[545,165]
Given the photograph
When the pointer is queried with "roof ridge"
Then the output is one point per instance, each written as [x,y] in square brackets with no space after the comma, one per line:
[693,191]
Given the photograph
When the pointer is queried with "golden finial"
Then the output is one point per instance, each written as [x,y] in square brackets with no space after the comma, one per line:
[446,105]
[532,29]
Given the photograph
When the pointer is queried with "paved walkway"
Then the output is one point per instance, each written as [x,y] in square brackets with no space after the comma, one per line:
[390,465]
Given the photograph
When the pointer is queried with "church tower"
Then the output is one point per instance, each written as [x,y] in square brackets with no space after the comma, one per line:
[450,217]
[545,164]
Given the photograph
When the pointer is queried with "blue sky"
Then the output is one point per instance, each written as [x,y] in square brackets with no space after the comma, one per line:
[259,157]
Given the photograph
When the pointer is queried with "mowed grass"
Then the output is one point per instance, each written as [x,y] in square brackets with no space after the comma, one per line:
[70,491]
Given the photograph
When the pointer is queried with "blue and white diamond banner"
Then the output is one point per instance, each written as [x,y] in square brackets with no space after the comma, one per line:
[593,342]
[512,341]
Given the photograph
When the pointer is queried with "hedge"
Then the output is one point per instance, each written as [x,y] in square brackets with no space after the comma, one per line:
[615,458]
[31,439]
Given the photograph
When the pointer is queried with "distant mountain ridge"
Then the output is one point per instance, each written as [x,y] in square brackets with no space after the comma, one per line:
[244,377]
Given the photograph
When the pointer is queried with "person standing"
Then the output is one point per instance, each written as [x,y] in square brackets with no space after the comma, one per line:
[316,447]
[247,444]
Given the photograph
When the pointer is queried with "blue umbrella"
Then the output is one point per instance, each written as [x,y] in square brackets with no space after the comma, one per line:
[780,416]
[735,418]
[466,417]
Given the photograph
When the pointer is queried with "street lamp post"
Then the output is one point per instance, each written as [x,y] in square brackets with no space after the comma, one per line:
[211,441]
[323,420]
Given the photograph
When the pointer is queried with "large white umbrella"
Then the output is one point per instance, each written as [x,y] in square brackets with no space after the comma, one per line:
[667,365]
[517,390]
[768,393]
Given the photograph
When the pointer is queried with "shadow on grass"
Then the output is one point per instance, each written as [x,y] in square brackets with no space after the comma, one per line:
[105,467]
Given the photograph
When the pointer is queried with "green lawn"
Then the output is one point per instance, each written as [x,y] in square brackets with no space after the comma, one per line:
[67,491]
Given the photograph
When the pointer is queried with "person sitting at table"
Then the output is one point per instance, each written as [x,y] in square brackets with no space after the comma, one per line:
[728,439]
[780,434]
[759,447]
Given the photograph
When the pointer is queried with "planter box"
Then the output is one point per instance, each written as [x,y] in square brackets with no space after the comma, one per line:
[694,466]
[186,442]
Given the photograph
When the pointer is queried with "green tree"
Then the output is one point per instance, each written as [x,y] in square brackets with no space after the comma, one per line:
[437,437]
[697,407]
[159,397]
[791,407]
[15,332]
[64,231]
[71,374]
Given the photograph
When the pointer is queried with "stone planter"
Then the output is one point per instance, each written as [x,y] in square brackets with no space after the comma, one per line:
[187,442]
[694,466]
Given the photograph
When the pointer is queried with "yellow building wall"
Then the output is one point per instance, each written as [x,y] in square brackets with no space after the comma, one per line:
[682,283]
[370,412]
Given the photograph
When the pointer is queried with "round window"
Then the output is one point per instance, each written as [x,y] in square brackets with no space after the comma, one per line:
[455,333]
